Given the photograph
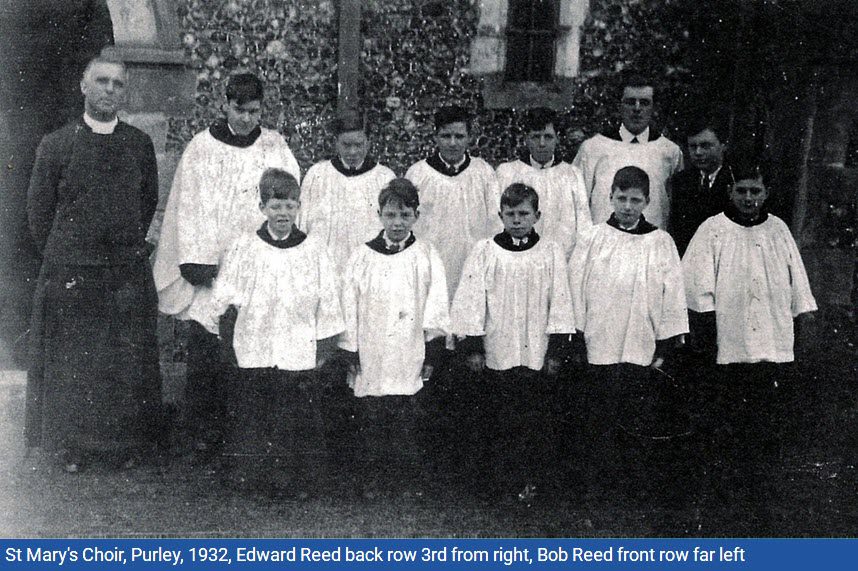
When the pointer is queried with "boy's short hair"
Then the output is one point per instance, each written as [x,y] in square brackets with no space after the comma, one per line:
[277,183]
[750,167]
[706,121]
[631,177]
[452,114]
[244,87]
[517,193]
[350,120]
[539,118]
[399,192]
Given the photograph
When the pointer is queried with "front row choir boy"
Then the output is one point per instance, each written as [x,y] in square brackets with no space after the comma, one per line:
[285,289]
[512,313]
[744,275]
[458,193]
[395,303]
[629,299]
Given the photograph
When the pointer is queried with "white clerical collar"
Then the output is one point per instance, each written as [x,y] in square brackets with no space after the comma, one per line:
[391,245]
[100,127]
[353,167]
[627,136]
[455,166]
[632,227]
[537,165]
[275,236]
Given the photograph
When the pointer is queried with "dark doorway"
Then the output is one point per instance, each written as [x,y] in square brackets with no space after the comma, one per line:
[45,46]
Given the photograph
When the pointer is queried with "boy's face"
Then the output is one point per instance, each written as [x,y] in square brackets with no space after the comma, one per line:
[518,220]
[397,220]
[628,204]
[748,196]
[352,147]
[243,118]
[541,143]
[281,214]
[452,141]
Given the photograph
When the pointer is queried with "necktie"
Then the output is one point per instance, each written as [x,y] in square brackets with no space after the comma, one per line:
[704,182]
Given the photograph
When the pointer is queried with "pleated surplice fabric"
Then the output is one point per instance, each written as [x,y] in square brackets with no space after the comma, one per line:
[562,199]
[393,304]
[754,279]
[628,292]
[516,300]
[342,210]
[287,299]
[456,211]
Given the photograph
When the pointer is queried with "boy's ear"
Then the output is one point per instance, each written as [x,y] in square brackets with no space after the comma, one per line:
[538,214]
[500,215]
[416,213]
[261,205]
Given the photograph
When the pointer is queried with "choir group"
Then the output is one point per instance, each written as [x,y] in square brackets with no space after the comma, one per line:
[534,301]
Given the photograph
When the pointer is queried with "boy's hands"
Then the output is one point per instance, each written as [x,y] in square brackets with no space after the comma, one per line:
[657,363]
[426,372]
[476,362]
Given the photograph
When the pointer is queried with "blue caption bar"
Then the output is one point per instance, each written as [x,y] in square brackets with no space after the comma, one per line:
[319,554]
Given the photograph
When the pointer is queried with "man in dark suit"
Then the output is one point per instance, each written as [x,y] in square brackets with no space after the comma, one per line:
[701,190]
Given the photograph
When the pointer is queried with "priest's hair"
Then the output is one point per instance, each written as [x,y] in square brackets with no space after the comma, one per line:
[631,177]
[105,58]
[517,193]
[399,192]
[277,183]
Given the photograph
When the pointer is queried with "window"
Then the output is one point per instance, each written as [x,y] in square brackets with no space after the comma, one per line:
[526,51]
[531,35]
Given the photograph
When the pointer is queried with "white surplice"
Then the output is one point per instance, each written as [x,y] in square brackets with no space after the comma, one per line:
[213,200]
[599,159]
[755,281]
[514,299]
[287,299]
[456,211]
[562,199]
[393,304]
[628,292]
[342,210]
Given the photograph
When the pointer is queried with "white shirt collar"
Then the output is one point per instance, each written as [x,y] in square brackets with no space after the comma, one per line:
[711,176]
[519,241]
[455,166]
[274,236]
[537,165]
[100,127]
[391,244]
[632,227]
[627,136]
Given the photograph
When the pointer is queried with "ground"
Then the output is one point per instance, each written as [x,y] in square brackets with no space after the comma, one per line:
[815,482]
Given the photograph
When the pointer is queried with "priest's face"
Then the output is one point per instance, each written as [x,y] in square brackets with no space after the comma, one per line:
[103,88]
[628,205]
[281,214]
[748,196]
[541,143]
[352,147]
[518,220]
[452,141]
[706,151]
[243,117]
[636,108]
[398,220]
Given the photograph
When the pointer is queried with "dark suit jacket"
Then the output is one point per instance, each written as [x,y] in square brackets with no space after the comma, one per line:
[689,206]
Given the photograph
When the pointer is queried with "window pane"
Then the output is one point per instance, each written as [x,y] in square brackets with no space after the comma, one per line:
[543,14]
[542,58]
[520,14]
[517,52]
